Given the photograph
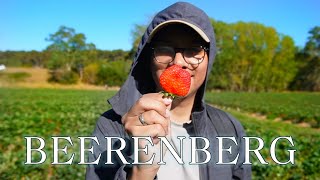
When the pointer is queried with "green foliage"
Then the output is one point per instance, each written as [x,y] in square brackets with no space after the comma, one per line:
[306,143]
[136,34]
[110,73]
[46,113]
[90,73]
[23,58]
[252,57]
[14,77]
[114,55]
[296,107]
[69,51]
[63,77]
[312,47]
[70,54]
[308,77]
[67,40]
[50,112]
[113,73]
[57,61]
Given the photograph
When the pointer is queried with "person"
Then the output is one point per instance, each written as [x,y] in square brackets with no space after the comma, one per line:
[138,109]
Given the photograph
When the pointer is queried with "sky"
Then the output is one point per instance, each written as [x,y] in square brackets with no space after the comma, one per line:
[25,24]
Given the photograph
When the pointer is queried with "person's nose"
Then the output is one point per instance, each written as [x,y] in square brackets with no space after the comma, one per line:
[179,60]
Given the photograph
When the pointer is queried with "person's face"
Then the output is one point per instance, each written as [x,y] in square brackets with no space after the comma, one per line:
[180,36]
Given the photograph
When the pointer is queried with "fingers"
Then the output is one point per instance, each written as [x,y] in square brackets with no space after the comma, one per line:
[146,118]
[167,101]
[153,117]
[153,130]
[149,116]
[152,101]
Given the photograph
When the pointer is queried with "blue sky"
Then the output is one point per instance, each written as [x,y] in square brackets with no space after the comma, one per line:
[108,23]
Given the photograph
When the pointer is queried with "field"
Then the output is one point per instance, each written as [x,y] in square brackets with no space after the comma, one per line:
[27,77]
[292,106]
[53,112]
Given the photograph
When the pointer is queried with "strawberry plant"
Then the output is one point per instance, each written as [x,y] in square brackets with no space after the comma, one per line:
[296,106]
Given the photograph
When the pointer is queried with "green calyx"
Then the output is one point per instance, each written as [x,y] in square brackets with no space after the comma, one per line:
[168,95]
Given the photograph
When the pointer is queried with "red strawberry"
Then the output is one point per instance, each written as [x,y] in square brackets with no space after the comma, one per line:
[175,81]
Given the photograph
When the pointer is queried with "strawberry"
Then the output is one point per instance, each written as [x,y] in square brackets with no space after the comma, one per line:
[175,81]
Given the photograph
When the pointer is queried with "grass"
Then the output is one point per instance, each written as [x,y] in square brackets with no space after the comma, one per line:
[39,75]
[53,112]
[14,77]
[37,78]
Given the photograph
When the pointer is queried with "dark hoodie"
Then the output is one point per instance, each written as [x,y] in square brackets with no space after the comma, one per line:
[207,121]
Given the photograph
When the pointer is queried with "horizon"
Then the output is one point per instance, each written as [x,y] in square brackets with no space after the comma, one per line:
[108,25]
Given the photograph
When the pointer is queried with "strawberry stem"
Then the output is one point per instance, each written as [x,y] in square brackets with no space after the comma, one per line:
[167,95]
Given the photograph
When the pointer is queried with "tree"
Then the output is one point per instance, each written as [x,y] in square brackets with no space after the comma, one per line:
[284,66]
[113,73]
[69,50]
[251,57]
[136,34]
[312,48]
[308,77]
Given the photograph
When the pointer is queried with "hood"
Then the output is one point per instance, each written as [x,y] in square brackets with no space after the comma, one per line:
[140,80]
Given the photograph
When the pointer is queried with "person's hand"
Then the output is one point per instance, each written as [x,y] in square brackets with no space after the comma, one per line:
[149,116]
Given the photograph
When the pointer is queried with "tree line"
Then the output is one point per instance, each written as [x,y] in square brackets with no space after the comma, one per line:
[253,57]
[250,57]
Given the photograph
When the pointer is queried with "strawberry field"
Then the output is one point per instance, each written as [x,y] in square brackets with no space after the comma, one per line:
[49,112]
[293,106]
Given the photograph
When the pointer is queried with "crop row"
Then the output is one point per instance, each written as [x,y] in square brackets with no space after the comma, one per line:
[294,106]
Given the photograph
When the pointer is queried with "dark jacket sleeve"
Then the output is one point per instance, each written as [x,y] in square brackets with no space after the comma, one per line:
[109,124]
[240,171]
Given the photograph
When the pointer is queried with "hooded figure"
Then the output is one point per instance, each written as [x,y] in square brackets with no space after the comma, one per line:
[134,103]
